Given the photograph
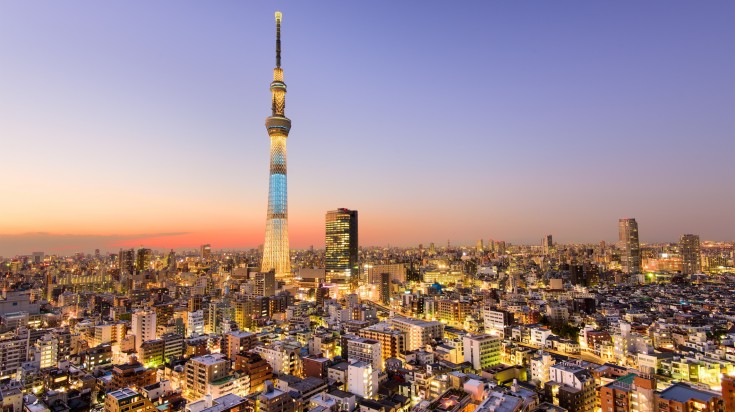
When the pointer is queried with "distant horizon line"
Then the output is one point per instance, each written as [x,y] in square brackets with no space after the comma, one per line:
[388,246]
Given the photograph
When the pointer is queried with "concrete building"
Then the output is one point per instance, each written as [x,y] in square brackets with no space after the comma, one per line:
[364,350]
[202,370]
[481,351]
[362,379]
[419,333]
[283,356]
[127,400]
[239,341]
[681,397]
[495,321]
[194,322]
[630,393]
[572,387]
[274,400]
[143,326]
[392,341]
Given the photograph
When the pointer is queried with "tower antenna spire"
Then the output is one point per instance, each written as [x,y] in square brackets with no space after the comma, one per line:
[279,16]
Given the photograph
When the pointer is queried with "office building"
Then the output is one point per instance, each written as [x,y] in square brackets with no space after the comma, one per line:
[143,259]
[126,261]
[630,256]
[385,288]
[340,257]
[547,244]
[691,261]
[265,283]
[205,251]
[276,254]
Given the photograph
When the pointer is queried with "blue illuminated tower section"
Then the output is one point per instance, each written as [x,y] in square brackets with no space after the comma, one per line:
[276,250]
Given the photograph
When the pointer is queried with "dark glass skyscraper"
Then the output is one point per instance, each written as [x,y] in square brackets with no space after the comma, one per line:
[690,259]
[340,258]
[630,258]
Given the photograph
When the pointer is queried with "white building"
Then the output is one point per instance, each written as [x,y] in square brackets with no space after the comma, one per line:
[283,356]
[362,379]
[538,336]
[540,366]
[143,327]
[495,321]
[194,323]
[419,333]
[365,350]
[481,351]
[48,349]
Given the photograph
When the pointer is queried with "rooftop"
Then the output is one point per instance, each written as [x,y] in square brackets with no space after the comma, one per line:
[683,393]
[122,394]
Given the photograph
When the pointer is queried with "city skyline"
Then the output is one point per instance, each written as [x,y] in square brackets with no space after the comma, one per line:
[527,169]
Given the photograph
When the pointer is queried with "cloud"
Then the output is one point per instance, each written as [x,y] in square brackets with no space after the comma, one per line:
[25,243]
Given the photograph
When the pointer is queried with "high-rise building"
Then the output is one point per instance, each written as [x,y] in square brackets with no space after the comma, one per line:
[547,243]
[265,283]
[630,258]
[143,259]
[690,254]
[143,327]
[385,288]
[276,249]
[205,251]
[171,260]
[126,261]
[340,258]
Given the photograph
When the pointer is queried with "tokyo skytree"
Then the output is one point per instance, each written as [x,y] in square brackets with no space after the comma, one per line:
[275,250]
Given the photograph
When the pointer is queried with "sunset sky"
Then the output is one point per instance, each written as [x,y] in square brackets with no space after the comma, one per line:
[129,123]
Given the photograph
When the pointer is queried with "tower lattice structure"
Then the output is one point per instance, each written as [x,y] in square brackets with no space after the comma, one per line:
[276,249]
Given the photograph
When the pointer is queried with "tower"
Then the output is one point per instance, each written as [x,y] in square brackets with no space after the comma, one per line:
[547,243]
[340,258]
[690,259]
[628,236]
[276,250]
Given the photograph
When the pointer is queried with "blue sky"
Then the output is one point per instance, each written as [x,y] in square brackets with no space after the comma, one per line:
[435,120]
